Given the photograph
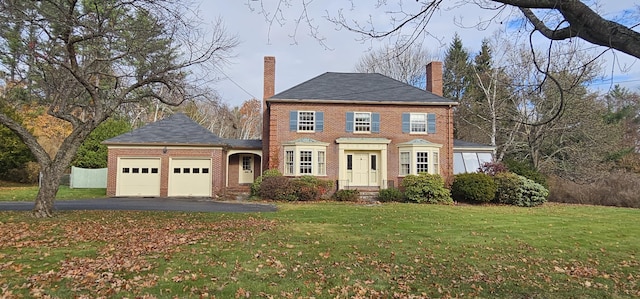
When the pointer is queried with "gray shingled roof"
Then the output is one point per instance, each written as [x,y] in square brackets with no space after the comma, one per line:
[245,143]
[175,129]
[359,87]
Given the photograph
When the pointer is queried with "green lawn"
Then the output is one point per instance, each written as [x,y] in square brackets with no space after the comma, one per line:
[29,193]
[326,250]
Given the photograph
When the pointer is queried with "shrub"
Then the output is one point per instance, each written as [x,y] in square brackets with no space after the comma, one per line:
[428,188]
[530,193]
[493,168]
[28,174]
[477,187]
[390,194]
[310,187]
[277,188]
[507,186]
[255,186]
[346,195]
[526,170]
[617,188]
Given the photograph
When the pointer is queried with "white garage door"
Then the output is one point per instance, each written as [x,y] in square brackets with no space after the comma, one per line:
[138,177]
[190,177]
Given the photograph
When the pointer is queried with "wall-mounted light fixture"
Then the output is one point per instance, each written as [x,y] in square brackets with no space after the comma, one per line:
[164,150]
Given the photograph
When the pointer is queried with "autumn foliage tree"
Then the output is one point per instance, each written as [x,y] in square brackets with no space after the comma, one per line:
[82,60]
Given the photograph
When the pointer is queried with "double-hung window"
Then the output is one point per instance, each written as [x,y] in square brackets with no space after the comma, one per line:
[306,162]
[419,156]
[363,122]
[305,156]
[405,163]
[306,121]
[419,123]
[422,162]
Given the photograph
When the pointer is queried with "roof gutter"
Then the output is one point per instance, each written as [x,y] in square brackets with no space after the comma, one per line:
[320,101]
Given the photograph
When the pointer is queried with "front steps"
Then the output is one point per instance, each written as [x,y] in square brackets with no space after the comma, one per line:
[237,193]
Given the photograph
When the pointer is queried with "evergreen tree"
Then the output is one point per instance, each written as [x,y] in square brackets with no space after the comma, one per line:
[456,70]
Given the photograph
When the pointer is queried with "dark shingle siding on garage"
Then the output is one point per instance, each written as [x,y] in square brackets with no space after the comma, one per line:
[359,87]
[175,129]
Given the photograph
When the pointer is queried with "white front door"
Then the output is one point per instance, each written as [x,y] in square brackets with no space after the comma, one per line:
[245,175]
[362,168]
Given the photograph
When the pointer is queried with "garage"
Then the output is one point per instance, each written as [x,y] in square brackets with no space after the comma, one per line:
[190,177]
[138,177]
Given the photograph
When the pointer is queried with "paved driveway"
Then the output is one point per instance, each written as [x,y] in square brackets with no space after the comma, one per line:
[146,204]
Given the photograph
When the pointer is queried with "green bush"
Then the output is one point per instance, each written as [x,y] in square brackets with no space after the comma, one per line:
[508,186]
[474,187]
[530,194]
[310,188]
[346,195]
[526,170]
[427,188]
[277,188]
[255,186]
[390,194]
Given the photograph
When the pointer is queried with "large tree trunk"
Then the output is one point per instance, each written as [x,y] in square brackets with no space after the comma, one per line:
[52,170]
[49,185]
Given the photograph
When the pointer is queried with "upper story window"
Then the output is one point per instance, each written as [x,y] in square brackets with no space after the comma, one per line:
[419,123]
[306,121]
[363,122]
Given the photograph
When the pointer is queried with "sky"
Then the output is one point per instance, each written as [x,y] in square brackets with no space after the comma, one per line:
[303,57]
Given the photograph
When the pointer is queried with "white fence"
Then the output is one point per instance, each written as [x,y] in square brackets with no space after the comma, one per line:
[88,178]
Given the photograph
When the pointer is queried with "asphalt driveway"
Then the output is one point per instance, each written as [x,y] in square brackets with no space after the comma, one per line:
[146,204]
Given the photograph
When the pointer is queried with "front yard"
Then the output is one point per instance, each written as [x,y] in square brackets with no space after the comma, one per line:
[326,250]
[21,192]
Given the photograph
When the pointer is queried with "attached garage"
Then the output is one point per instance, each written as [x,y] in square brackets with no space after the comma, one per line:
[173,157]
[138,177]
[190,177]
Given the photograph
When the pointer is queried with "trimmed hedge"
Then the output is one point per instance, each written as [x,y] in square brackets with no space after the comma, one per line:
[426,188]
[390,194]
[255,186]
[531,193]
[310,188]
[508,185]
[346,195]
[473,187]
[519,191]
[277,188]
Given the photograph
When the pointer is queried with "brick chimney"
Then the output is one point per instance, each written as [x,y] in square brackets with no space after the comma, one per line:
[269,77]
[434,77]
[269,88]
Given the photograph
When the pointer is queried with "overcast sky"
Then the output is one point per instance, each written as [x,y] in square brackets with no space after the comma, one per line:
[303,58]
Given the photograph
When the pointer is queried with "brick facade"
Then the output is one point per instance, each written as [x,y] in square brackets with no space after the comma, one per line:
[217,155]
[334,128]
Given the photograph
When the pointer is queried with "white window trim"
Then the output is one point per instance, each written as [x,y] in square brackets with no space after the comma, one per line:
[426,123]
[414,149]
[299,122]
[314,148]
[355,124]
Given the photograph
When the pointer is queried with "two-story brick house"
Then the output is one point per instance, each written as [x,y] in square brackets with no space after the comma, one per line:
[358,129]
[363,131]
